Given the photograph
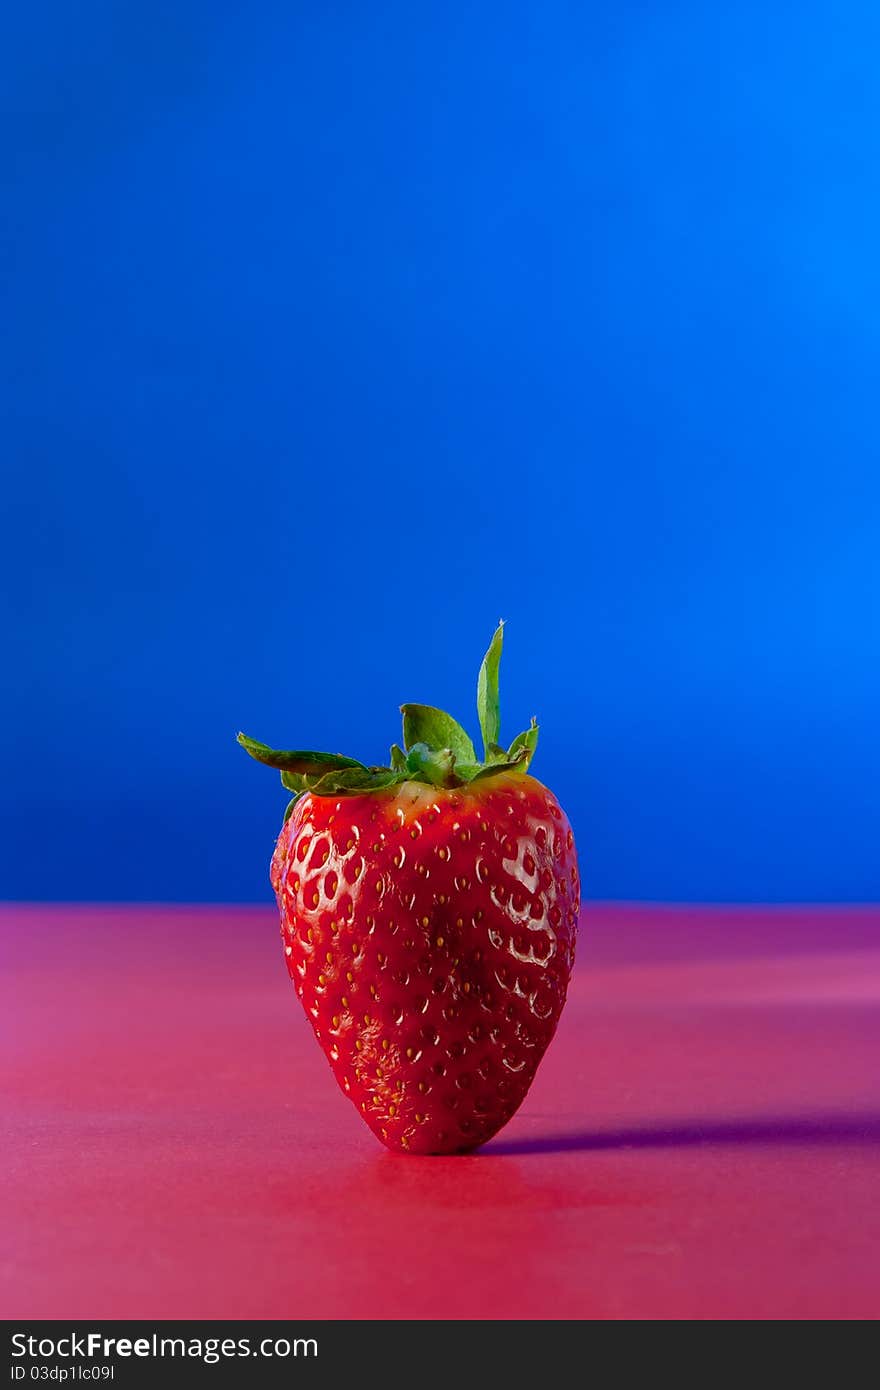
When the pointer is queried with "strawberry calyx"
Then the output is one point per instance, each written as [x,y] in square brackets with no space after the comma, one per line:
[436,750]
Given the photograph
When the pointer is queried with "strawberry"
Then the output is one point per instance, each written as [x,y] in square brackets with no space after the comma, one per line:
[428,914]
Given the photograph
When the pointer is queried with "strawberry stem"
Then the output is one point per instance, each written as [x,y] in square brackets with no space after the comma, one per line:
[438,751]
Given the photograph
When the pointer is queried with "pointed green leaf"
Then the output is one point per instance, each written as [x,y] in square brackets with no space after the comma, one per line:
[398,758]
[528,740]
[310,764]
[349,781]
[294,782]
[425,724]
[487,692]
[518,763]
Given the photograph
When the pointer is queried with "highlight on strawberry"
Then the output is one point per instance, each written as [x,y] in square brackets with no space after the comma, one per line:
[429,911]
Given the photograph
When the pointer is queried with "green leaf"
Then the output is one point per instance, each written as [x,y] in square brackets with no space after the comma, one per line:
[349,781]
[487,692]
[434,765]
[466,772]
[518,763]
[310,764]
[289,812]
[425,724]
[528,740]
[294,782]
[398,758]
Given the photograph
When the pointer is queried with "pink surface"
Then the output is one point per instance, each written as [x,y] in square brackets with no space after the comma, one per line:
[702,1139]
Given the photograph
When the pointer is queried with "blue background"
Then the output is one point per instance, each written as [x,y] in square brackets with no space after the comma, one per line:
[333,332]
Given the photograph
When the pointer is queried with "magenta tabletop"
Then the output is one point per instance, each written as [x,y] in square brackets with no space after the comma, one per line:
[702,1139]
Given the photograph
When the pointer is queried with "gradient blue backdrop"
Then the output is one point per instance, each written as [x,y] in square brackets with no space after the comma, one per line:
[333,332]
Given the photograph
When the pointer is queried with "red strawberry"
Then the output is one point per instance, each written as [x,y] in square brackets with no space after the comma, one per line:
[428,912]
